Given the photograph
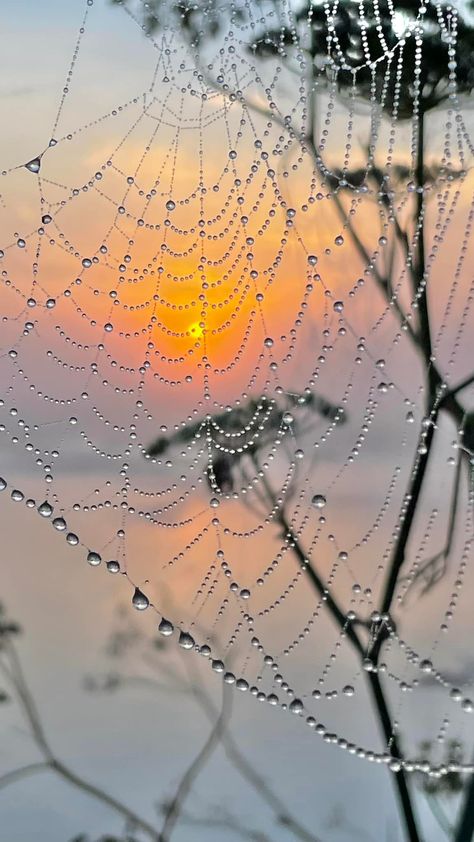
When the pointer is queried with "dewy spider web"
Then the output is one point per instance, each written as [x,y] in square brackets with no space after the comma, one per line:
[204,379]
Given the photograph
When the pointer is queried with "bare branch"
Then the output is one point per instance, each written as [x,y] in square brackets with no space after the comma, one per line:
[23,772]
[51,762]
[174,806]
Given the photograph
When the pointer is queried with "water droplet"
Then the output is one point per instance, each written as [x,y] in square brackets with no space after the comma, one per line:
[45,509]
[3,484]
[166,628]
[113,566]
[139,600]
[319,501]
[245,593]
[312,259]
[46,219]
[108,327]
[287,418]
[296,706]
[410,418]
[185,640]
[348,690]
[51,303]
[338,306]
[59,523]
[93,558]
[34,165]
[72,539]
[17,495]
[86,262]
[339,240]
[214,502]
[170,205]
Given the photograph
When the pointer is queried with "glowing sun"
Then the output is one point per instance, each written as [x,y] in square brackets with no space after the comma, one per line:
[195,330]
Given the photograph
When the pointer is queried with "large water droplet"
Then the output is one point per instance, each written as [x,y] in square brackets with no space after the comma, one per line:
[139,600]
[93,558]
[34,165]
[166,628]
[296,706]
[113,566]
[45,509]
[318,501]
[185,640]
[59,523]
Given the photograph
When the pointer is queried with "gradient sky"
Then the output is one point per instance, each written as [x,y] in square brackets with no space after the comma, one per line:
[137,743]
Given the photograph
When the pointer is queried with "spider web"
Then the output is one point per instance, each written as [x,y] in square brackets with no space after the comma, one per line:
[208,391]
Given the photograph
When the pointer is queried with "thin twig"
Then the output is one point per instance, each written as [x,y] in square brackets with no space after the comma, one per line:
[174,806]
[51,762]
[24,772]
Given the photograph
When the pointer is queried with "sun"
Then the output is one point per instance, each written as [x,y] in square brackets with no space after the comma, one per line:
[195,330]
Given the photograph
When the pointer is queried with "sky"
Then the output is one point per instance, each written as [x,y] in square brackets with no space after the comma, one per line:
[137,742]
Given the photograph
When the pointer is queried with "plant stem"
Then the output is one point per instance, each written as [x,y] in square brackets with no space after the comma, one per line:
[174,807]
[465,824]
[17,678]
[372,678]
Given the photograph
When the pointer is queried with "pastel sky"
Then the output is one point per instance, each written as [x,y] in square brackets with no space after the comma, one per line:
[137,743]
